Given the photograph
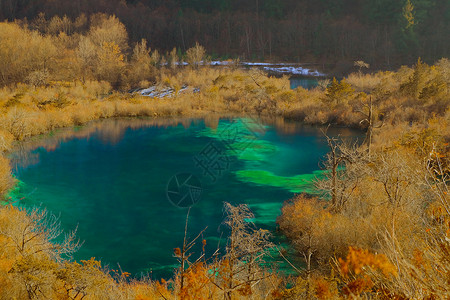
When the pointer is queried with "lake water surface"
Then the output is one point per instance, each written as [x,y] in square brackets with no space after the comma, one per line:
[306,83]
[111,179]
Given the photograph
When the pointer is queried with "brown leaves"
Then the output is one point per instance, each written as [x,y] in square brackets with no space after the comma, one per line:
[195,279]
[358,267]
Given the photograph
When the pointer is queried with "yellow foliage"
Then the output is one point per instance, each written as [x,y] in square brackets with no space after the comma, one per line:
[108,30]
[22,52]
[195,281]
[6,180]
[338,92]
[357,267]
[6,140]
[358,259]
[110,63]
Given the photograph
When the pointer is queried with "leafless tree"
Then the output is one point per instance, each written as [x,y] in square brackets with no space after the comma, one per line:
[367,110]
[340,179]
[245,252]
[38,232]
[184,253]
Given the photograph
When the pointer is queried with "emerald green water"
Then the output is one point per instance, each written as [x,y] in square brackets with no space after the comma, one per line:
[109,179]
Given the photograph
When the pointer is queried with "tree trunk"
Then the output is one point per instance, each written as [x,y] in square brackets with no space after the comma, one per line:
[308,272]
[334,180]
[370,128]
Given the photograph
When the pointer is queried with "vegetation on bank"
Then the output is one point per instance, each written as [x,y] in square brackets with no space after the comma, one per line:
[379,229]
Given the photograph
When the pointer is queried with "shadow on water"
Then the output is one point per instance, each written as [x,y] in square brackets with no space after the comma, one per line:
[111,180]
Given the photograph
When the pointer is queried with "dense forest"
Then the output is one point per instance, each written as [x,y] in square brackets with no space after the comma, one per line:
[383,33]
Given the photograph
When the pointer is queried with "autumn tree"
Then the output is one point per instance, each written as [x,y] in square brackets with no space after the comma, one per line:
[88,278]
[371,120]
[23,52]
[417,82]
[6,139]
[86,54]
[361,64]
[421,268]
[30,241]
[34,260]
[110,63]
[316,233]
[57,25]
[341,176]
[395,182]
[187,265]
[16,120]
[101,52]
[304,220]
[37,232]
[109,30]
[173,59]
[238,272]
[141,67]
[240,268]
[195,55]
[338,92]
[359,270]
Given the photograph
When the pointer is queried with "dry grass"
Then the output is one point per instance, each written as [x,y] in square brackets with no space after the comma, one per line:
[6,181]
[364,82]
[28,110]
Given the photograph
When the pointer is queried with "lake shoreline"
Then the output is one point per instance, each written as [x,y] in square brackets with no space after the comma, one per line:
[92,130]
[170,119]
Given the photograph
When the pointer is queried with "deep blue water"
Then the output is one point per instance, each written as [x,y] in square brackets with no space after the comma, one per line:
[110,180]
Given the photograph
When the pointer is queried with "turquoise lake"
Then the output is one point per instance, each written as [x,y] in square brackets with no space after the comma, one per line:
[110,179]
[306,83]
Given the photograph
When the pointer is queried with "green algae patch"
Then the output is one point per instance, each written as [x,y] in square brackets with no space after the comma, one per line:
[241,129]
[295,184]
[241,139]
[257,150]
[14,194]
